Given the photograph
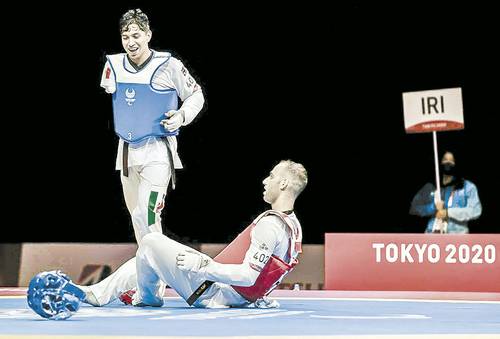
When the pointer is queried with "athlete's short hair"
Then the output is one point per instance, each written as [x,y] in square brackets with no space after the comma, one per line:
[134,16]
[298,175]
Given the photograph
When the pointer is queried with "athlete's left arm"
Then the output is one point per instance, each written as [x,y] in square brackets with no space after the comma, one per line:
[188,90]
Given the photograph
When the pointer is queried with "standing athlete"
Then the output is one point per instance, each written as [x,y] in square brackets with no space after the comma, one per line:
[146,85]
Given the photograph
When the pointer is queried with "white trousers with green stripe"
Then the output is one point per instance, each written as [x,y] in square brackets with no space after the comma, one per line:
[144,191]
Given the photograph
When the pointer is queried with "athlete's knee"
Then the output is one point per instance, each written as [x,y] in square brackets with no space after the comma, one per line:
[152,240]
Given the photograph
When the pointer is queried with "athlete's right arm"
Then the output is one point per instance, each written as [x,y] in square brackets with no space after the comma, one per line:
[239,275]
[108,79]
[265,238]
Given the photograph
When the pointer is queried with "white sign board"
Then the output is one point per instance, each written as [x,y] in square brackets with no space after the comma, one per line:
[436,110]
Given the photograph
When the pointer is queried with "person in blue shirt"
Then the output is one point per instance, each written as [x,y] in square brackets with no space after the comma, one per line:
[458,205]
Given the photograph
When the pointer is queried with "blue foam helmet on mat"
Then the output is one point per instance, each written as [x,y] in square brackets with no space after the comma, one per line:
[52,295]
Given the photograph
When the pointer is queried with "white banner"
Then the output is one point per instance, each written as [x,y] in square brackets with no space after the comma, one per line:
[436,110]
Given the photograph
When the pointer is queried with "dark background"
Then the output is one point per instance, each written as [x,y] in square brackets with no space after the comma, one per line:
[321,86]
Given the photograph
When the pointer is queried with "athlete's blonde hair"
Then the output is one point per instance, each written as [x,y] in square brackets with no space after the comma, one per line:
[297,175]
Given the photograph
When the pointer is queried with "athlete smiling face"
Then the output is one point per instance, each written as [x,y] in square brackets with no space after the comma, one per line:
[135,42]
[136,34]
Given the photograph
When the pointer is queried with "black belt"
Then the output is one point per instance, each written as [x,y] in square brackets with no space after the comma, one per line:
[170,160]
[199,291]
[125,159]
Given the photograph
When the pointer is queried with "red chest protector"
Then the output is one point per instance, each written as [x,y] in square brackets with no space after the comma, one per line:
[275,269]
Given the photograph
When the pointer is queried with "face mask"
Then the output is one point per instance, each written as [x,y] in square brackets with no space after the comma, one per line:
[448,168]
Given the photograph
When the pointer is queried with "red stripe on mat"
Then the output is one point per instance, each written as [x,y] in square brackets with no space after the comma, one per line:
[16,291]
[471,296]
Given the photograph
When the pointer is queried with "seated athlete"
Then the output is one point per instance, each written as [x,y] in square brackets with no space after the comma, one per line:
[272,250]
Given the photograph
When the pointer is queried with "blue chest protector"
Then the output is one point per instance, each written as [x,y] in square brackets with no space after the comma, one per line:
[138,108]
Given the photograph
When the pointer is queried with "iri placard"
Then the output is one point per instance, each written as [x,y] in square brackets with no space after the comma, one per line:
[436,110]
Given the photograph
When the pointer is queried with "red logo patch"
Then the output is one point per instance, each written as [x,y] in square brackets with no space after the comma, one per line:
[108,72]
[159,207]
